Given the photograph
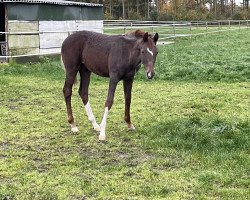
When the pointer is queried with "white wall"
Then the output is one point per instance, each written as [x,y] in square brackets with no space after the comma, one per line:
[55,32]
[44,36]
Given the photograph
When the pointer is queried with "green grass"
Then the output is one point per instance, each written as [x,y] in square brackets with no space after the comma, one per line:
[191,139]
[213,57]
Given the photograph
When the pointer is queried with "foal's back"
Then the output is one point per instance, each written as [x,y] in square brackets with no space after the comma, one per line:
[77,42]
[95,50]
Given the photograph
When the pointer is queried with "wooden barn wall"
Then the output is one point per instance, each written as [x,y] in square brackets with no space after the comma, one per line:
[51,42]
[23,43]
[44,36]
[44,23]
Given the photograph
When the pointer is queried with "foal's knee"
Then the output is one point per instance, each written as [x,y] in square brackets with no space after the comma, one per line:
[109,103]
[67,92]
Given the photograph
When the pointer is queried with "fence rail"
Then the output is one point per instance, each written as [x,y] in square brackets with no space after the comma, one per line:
[168,30]
[174,29]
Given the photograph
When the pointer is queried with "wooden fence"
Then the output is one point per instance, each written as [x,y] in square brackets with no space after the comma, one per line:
[174,29]
[168,30]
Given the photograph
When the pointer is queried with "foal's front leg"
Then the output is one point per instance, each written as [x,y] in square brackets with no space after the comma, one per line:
[83,92]
[109,102]
[127,86]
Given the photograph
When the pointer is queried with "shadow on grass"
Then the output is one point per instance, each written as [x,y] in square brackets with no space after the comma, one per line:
[203,135]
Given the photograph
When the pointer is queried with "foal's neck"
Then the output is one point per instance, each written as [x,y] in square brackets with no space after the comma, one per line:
[136,52]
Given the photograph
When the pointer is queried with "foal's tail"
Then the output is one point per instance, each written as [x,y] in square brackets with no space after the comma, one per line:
[62,64]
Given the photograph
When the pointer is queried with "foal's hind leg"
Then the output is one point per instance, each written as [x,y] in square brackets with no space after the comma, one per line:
[67,91]
[83,92]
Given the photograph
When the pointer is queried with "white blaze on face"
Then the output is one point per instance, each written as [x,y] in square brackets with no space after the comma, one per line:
[149,51]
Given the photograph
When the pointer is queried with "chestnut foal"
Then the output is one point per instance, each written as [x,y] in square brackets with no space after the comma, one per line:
[118,57]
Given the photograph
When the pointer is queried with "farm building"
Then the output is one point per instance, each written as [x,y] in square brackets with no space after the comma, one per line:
[35,27]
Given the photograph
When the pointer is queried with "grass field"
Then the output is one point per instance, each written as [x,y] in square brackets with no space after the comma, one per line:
[192,129]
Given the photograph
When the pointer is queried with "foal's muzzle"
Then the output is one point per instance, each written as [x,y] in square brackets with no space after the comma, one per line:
[150,75]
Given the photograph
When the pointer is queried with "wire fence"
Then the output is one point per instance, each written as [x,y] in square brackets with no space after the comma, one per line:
[168,30]
[174,29]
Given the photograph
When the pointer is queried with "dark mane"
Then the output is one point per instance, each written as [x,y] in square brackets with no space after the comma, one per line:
[137,33]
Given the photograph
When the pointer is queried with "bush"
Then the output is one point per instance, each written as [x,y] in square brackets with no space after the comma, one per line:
[237,15]
[245,14]
[192,15]
[132,15]
[154,15]
[242,15]
[107,16]
[166,17]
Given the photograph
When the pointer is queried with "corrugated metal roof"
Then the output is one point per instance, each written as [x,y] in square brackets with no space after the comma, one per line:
[58,2]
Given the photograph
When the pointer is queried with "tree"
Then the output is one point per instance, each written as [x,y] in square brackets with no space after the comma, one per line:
[123,9]
[246,4]
[171,9]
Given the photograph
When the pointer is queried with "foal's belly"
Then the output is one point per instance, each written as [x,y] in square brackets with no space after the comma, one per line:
[100,71]
[97,65]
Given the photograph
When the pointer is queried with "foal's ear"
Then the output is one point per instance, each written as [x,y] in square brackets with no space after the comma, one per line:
[156,37]
[145,37]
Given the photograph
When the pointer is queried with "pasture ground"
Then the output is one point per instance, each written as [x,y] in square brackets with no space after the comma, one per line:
[191,139]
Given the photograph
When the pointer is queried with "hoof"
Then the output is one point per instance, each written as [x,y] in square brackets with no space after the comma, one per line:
[97,128]
[74,129]
[131,127]
[102,137]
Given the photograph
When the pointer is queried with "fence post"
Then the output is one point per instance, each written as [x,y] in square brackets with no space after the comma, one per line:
[206,26]
[174,29]
[190,28]
[239,25]
[229,24]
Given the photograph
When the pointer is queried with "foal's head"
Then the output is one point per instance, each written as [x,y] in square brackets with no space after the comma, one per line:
[148,53]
